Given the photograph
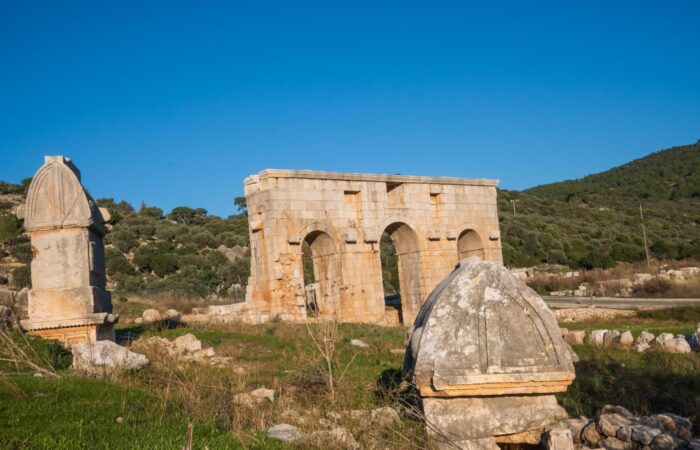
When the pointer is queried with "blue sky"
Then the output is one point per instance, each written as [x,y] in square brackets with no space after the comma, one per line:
[175,103]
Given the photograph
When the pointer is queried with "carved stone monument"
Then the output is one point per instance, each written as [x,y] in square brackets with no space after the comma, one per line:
[487,357]
[341,217]
[68,300]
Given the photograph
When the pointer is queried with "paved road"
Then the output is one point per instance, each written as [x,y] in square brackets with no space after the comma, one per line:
[618,303]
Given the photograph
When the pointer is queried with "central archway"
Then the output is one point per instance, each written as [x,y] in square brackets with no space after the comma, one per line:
[320,274]
[407,257]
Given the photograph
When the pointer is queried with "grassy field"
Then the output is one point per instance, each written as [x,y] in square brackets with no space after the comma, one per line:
[157,404]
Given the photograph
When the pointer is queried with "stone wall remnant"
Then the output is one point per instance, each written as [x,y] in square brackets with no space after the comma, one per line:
[341,217]
[487,357]
[68,300]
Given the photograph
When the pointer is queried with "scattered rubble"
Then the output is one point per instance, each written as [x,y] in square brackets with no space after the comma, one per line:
[666,342]
[186,347]
[255,397]
[615,428]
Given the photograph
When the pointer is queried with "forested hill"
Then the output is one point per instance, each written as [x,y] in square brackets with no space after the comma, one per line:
[665,175]
[595,221]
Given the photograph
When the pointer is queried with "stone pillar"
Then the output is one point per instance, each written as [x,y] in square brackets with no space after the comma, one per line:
[487,357]
[68,300]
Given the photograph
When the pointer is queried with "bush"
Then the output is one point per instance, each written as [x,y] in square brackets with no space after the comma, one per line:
[22,277]
[22,251]
[654,286]
[9,228]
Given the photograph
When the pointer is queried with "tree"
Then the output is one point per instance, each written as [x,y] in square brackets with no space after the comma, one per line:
[186,215]
[242,204]
[150,211]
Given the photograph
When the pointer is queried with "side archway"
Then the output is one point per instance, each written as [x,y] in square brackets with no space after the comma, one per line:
[320,269]
[469,244]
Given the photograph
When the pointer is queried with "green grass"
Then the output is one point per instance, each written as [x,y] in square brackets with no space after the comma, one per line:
[159,401]
[684,314]
[76,413]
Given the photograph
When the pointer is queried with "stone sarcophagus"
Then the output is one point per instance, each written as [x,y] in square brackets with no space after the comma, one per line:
[68,300]
[487,357]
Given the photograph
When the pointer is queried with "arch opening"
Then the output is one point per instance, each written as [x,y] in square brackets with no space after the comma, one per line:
[401,271]
[320,273]
[469,244]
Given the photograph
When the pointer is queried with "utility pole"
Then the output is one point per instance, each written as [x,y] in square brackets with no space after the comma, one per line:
[513,202]
[644,235]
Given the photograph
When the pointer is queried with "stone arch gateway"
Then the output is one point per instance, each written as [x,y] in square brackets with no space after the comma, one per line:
[348,213]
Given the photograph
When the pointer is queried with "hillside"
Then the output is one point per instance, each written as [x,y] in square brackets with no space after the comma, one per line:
[595,221]
[588,223]
[670,174]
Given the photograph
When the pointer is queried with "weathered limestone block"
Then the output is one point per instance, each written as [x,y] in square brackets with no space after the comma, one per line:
[68,300]
[486,355]
[103,358]
[462,418]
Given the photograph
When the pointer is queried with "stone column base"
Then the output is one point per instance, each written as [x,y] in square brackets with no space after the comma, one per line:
[77,330]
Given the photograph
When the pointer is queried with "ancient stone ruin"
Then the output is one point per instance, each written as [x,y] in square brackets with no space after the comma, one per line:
[433,223]
[68,300]
[487,357]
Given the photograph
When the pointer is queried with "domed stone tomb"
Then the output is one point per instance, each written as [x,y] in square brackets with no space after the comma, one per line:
[486,355]
[68,300]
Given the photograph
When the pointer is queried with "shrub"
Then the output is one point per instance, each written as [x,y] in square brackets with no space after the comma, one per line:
[22,251]
[9,228]
[654,286]
[22,277]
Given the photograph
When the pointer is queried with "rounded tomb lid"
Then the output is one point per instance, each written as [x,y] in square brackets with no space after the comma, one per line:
[484,332]
[57,199]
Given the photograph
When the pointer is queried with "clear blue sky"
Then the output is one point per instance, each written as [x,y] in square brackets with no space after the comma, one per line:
[175,103]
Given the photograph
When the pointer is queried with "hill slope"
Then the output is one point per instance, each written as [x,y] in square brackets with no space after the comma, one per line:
[595,221]
[670,174]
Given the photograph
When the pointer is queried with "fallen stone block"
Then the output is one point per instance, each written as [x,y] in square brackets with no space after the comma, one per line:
[103,358]
[285,433]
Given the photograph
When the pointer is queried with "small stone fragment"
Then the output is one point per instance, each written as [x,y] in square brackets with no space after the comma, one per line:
[596,337]
[616,409]
[613,443]
[611,337]
[558,438]
[576,427]
[663,441]
[172,315]
[359,343]
[575,337]
[641,347]
[590,435]
[644,434]
[187,343]
[645,337]
[608,424]
[150,316]
[285,433]
[626,338]
[338,437]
